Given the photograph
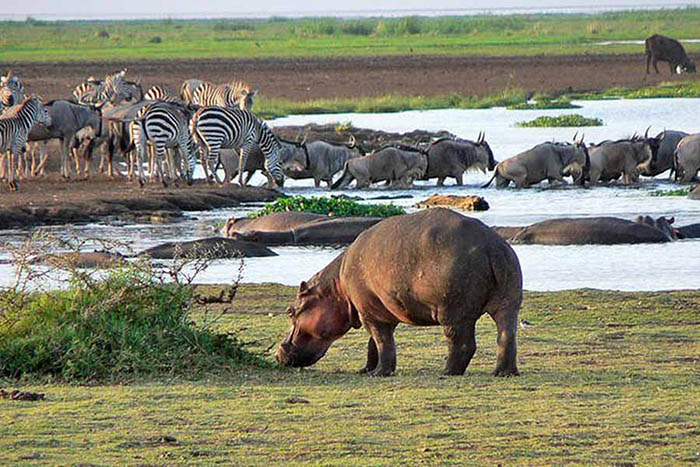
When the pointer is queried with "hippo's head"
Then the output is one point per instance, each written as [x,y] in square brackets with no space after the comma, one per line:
[319,317]
[661,223]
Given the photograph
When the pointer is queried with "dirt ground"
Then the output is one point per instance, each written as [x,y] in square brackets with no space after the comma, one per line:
[307,78]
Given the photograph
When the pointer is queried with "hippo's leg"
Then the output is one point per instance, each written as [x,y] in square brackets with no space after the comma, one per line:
[383,336]
[461,344]
[458,179]
[506,318]
[372,357]
[441,181]
[502,182]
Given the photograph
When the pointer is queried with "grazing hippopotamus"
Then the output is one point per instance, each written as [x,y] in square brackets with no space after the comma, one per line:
[591,230]
[270,223]
[327,231]
[214,247]
[434,267]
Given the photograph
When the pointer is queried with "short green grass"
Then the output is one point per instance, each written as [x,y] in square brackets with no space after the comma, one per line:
[675,192]
[569,120]
[607,378]
[533,34]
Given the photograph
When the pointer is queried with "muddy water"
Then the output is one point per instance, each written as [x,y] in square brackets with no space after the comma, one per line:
[623,267]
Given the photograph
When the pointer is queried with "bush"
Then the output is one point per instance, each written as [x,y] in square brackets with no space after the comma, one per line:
[332,206]
[676,192]
[573,120]
[234,26]
[155,40]
[359,28]
[130,320]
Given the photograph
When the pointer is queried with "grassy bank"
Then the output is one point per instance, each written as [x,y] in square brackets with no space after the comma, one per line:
[513,99]
[34,40]
[607,377]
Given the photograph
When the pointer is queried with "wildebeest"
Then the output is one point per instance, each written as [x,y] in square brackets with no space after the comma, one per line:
[668,140]
[399,165]
[687,158]
[625,158]
[318,160]
[664,49]
[550,161]
[67,118]
[451,157]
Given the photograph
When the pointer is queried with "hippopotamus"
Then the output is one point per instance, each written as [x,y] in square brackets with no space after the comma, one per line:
[328,231]
[214,247]
[270,223]
[591,230]
[432,268]
[688,231]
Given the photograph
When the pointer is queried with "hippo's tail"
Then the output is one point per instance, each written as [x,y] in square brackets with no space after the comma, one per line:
[674,166]
[344,180]
[495,174]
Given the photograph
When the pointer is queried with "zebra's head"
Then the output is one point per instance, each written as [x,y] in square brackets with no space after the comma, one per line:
[271,147]
[11,90]
[114,88]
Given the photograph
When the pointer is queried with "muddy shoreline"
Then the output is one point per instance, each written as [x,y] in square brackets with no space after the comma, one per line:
[125,204]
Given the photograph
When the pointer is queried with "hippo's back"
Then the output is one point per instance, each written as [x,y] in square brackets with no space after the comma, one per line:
[434,257]
[594,230]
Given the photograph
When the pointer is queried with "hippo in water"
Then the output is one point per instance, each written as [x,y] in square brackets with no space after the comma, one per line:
[591,230]
[434,267]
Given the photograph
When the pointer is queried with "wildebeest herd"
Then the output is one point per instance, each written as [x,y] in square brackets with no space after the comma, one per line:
[214,125]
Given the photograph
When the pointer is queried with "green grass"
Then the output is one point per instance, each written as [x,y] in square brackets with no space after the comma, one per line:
[676,192]
[338,207]
[542,103]
[472,35]
[273,108]
[571,120]
[684,89]
[607,378]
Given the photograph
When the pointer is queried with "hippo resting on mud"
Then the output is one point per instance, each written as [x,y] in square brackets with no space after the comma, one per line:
[434,267]
[270,223]
[329,231]
[591,230]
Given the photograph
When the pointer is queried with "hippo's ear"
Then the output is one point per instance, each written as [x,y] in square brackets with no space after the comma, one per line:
[671,220]
[303,287]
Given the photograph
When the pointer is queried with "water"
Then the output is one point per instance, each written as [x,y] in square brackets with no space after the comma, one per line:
[70,10]
[620,267]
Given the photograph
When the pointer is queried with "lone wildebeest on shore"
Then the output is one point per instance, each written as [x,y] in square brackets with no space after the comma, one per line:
[664,49]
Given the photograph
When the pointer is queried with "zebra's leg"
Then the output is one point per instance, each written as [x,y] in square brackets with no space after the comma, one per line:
[249,175]
[13,175]
[242,159]
[151,163]
[161,154]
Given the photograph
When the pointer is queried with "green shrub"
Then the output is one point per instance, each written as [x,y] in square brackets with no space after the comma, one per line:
[677,192]
[332,206]
[561,121]
[545,103]
[131,320]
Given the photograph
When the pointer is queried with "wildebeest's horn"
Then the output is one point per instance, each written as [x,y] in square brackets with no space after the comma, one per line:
[583,135]
[575,135]
[646,133]
[480,139]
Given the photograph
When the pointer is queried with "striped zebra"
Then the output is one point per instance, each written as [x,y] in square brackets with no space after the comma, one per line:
[223,127]
[224,95]
[188,88]
[165,126]
[14,131]
[11,91]
[161,94]
[113,89]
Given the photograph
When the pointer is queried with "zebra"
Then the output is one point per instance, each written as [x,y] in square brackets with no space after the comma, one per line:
[161,94]
[165,126]
[11,91]
[188,88]
[234,94]
[14,131]
[113,89]
[243,93]
[223,127]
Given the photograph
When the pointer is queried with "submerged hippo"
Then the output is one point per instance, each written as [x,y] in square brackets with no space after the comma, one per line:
[326,231]
[270,223]
[434,267]
[214,247]
[591,230]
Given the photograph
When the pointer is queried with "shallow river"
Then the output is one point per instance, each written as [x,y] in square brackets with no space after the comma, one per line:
[624,267]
